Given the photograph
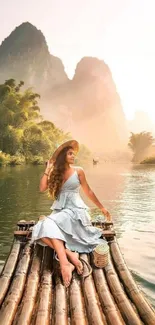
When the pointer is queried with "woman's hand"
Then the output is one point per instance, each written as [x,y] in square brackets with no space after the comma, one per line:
[106,214]
[49,167]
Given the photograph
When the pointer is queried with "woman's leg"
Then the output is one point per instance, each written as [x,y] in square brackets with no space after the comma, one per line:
[47,241]
[66,267]
[72,256]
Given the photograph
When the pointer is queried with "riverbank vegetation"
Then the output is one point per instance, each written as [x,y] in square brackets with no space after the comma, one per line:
[24,136]
[149,161]
[143,147]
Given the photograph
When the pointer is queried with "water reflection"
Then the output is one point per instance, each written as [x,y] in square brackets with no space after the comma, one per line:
[137,225]
[19,199]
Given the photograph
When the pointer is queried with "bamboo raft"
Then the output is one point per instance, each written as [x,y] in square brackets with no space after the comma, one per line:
[32,292]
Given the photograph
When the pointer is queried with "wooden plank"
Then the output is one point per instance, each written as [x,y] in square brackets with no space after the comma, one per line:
[102,224]
[24,223]
[145,310]
[110,310]
[28,301]
[128,313]
[22,233]
[61,307]
[94,311]
[8,270]
[109,233]
[77,308]
[27,233]
[45,295]
[32,222]
[10,305]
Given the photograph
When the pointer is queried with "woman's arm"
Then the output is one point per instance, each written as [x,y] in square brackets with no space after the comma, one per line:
[90,194]
[44,180]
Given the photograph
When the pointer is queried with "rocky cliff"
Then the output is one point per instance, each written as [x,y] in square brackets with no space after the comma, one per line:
[24,55]
[88,105]
[92,107]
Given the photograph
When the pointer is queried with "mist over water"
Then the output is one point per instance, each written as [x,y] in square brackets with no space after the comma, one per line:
[100,132]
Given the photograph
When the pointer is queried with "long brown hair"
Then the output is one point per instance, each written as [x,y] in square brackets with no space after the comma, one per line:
[56,176]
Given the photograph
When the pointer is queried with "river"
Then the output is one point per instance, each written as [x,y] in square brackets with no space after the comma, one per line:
[127,191]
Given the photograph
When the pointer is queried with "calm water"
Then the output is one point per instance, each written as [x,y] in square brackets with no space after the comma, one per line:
[128,192]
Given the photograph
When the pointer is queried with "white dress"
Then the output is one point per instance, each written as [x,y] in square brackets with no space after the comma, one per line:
[69,220]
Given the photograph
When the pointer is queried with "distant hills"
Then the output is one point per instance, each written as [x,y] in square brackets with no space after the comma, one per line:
[88,105]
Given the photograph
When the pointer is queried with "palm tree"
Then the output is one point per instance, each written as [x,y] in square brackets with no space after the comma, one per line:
[139,143]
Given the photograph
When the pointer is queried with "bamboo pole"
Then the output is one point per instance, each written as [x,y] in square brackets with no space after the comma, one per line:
[102,224]
[61,307]
[77,308]
[94,311]
[45,295]
[8,270]
[145,310]
[28,301]
[110,309]
[129,315]
[25,224]
[15,292]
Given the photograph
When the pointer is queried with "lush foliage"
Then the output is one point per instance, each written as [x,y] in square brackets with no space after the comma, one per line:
[140,143]
[149,160]
[24,136]
[4,159]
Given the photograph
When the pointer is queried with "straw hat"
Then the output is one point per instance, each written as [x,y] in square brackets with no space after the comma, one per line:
[71,143]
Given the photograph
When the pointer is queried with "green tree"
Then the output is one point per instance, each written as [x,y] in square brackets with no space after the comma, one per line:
[140,143]
[35,141]
[12,140]
[55,135]
[23,133]
[16,109]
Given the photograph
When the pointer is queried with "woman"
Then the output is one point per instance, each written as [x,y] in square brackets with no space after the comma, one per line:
[68,229]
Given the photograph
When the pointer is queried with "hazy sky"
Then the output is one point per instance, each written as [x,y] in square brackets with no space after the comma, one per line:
[121,32]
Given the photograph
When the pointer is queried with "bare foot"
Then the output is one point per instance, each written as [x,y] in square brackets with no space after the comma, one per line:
[74,258]
[66,271]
